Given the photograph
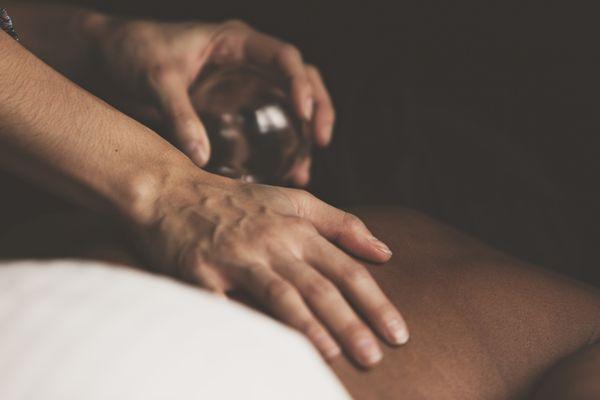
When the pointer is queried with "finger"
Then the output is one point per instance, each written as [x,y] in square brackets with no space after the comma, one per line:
[266,50]
[187,129]
[324,116]
[342,228]
[286,304]
[360,288]
[211,281]
[199,272]
[300,174]
[331,308]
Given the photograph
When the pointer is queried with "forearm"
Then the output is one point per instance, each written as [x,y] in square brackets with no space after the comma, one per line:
[56,133]
[62,36]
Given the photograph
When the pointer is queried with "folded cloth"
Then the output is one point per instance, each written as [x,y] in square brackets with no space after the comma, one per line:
[87,331]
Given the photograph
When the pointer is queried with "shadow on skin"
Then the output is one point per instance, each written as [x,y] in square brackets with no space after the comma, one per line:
[483,325]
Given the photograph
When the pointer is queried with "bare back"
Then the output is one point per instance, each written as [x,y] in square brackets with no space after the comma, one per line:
[483,325]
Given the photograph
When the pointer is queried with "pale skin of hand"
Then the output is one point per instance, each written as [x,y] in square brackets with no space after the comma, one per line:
[153,64]
[277,245]
[161,61]
[286,248]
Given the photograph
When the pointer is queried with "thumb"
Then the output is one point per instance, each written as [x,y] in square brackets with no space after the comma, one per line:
[344,229]
[188,131]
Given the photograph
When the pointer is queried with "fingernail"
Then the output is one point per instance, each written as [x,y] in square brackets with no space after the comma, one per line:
[370,353]
[379,245]
[332,353]
[397,332]
[308,108]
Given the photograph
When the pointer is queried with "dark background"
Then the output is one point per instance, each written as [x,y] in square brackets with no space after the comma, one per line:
[482,115]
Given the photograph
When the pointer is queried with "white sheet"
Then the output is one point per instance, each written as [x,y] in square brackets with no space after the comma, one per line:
[87,331]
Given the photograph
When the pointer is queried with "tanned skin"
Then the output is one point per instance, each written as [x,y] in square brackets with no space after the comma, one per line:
[286,248]
[484,325]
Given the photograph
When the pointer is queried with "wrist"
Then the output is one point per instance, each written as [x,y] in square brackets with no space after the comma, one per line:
[170,182]
[144,188]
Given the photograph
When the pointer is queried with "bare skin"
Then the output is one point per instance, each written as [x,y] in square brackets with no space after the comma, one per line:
[277,244]
[53,132]
[484,326]
[146,68]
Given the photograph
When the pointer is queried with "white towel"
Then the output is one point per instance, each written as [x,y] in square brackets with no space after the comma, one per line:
[74,330]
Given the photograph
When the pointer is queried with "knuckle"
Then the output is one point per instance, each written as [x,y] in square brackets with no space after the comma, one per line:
[319,287]
[300,193]
[305,87]
[352,222]
[310,328]
[355,274]
[301,87]
[278,290]
[355,328]
[185,122]
[289,52]
[303,196]
[302,200]
[301,224]
[313,70]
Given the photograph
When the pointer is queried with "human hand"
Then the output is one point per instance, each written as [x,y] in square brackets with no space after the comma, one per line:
[156,63]
[279,246]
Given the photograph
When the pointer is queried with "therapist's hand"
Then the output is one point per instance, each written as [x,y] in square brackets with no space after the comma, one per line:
[157,62]
[280,246]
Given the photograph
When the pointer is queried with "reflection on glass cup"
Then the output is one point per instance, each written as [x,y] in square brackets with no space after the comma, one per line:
[254,132]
